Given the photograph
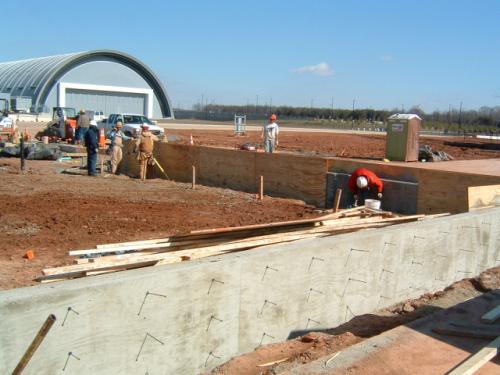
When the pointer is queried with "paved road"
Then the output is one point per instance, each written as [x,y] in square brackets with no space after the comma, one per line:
[288,128]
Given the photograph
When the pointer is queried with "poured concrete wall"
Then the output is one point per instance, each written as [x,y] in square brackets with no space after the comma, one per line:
[189,317]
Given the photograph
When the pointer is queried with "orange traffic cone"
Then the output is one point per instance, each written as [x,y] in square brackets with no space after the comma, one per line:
[102,138]
[26,134]
[191,142]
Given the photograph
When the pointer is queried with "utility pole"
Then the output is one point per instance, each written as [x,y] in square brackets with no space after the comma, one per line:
[257,104]
[201,108]
[353,102]
[460,115]
[332,107]
[402,108]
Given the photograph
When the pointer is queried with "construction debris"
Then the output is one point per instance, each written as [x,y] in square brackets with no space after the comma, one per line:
[425,153]
[204,243]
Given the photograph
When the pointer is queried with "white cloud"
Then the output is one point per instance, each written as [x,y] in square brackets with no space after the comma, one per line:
[387,58]
[321,69]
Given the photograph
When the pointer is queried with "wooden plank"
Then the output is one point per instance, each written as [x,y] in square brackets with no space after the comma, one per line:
[133,247]
[75,154]
[102,267]
[483,196]
[340,214]
[491,316]
[477,360]
[241,245]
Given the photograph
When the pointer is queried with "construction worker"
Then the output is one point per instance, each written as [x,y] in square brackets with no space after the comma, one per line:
[270,134]
[92,144]
[117,137]
[82,125]
[144,146]
[365,184]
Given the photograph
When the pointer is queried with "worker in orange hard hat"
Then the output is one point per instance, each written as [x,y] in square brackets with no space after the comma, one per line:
[270,134]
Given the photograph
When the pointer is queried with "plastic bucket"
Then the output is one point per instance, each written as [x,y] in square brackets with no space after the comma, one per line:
[374,204]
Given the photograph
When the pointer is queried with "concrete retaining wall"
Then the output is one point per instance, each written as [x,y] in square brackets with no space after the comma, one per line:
[189,317]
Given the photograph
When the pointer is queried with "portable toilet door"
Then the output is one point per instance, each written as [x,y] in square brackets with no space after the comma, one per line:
[402,137]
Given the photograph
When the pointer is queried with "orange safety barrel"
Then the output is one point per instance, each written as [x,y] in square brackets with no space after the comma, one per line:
[102,138]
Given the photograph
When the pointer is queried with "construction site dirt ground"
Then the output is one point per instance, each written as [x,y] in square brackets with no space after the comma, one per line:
[51,213]
[341,144]
[292,356]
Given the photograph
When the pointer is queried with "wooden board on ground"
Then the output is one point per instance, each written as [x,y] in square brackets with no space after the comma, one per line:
[477,360]
[491,316]
[483,196]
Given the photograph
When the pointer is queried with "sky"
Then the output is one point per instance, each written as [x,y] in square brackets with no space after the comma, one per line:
[380,54]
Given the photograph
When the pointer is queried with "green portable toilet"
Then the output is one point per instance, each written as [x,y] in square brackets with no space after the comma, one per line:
[402,137]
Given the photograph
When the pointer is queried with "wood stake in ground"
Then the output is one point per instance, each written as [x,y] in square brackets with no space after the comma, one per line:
[193,185]
[336,202]
[261,188]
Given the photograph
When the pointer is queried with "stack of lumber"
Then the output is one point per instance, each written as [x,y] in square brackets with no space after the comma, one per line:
[210,242]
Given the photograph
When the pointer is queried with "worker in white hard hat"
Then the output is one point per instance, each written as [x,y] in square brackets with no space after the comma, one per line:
[364,184]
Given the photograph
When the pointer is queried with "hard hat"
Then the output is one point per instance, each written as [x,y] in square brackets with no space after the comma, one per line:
[119,124]
[272,117]
[145,126]
[82,110]
[93,122]
[361,182]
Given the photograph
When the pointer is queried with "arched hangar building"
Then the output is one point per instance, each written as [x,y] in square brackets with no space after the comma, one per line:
[100,80]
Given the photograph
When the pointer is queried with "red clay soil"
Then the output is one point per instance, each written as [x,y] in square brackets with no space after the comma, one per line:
[275,358]
[51,213]
[339,144]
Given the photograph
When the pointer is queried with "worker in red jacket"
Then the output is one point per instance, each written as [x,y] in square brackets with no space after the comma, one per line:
[365,183]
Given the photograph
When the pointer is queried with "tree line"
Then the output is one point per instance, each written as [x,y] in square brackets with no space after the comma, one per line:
[484,117]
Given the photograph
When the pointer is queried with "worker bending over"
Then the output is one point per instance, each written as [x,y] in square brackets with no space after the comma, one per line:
[270,134]
[365,184]
[144,145]
[117,137]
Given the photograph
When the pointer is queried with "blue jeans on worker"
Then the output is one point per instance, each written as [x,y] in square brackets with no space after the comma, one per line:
[92,162]
[80,135]
[269,145]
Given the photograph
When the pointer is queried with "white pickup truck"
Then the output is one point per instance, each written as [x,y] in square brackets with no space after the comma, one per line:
[131,124]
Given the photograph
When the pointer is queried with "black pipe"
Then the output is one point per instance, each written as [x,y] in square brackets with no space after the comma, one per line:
[23,165]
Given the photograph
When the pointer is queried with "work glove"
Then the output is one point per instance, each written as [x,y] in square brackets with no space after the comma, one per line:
[379,195]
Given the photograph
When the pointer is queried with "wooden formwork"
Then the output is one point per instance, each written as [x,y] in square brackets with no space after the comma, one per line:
[442,187]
